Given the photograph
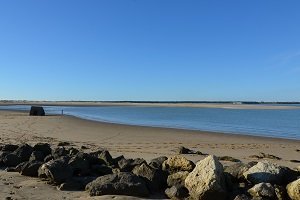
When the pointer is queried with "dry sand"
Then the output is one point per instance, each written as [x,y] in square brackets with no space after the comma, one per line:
[130,141]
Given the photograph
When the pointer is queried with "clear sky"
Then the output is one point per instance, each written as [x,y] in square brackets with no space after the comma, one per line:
[150,50]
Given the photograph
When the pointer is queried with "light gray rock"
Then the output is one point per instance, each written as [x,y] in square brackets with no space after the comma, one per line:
[264,172]
[293,190]
[177,192]
[177,163]
[207,181]
[263,190]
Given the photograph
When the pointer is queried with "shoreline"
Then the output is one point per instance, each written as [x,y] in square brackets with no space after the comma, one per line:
[132,140]
[190,105]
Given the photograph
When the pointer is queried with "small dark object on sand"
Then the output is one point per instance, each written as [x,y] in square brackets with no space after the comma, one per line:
[228,158]
[295,161]
[263,155]
[37,111]
[61,144]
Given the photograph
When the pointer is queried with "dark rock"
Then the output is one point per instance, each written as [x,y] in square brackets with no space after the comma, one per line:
[23,152]
[157,162]
[242,197]
[31,168]
[37,156]
[262,190]
[123,183]
[43,147]
[48,158]
[73,151]
[9,147]
[236,171]
[262,155]
[61,144]
[184,150]
[80,164]
[75,183]
[56,171]
[104,155]
[59,152]
[281,193]
[154,178]
[228,158]
[127,165]
[11,169]
[177,192]
[11,160]
[84,147]
[37,111]
[101,170]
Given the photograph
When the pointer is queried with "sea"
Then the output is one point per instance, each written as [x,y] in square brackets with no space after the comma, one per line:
[278,123]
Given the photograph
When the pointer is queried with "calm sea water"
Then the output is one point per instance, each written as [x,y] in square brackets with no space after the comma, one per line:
[270,123]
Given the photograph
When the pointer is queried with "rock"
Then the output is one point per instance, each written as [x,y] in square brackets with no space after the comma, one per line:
[62,144]
[8,147]
[37,111]
[242,197]
[73,151]
[177,178]
[56,171]
[48,158]
[101,170]
[59,152]
[263,155]
[228,158]
[280,192]
[11,160]
[153,177]
[37,156]
[236,171]
[293,190]
[207,181]
[177,163]
[80,164]
[105,155]
[264,172]
[262,190]
[123,183]
[31,168]
[127,165]
[43,147]
[183,150]
[177,192]
[70,186]
[23,152]
[157,162]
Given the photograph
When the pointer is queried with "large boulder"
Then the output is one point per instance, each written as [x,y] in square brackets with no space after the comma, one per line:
[293,190]
[236,171]
[37,156]
[177,163]
[262,190]
[11,160]
[31,168]
[9,147]
[43,147]
[56,171]
[80,164]
[127,165]
[154,178]
[104,155]
[265,172]
[37,111]
[123,183]
[207,181]
[23,152]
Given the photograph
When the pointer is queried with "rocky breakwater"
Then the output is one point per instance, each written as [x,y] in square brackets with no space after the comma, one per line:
[176,177]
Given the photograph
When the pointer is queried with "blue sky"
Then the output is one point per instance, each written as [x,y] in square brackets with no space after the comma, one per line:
[150,50]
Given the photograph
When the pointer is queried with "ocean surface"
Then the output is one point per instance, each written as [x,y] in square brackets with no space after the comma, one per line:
[258,122]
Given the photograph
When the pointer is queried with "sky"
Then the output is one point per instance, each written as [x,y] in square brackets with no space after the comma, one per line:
[154,50]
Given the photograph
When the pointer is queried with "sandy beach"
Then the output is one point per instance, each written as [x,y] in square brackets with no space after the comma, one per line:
[130,141]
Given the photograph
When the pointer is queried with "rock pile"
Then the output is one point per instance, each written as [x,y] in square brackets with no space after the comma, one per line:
[175,177]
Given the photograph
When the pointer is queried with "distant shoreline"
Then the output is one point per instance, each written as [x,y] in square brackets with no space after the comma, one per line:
[194,104]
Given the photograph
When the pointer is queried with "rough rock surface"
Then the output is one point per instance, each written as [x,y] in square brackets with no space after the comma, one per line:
[123,183]
[293,190]
[56,171]
[207,181]
[263,190]
[177,178]
[177,192]
[177,163]
[264,172]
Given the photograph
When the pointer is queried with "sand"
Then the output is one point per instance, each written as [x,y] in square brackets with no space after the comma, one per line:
[130,141]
